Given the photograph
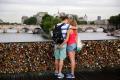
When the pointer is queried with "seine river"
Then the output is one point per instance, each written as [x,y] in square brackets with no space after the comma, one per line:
[12,36]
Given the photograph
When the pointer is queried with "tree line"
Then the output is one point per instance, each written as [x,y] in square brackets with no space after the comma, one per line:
[48,22]
[115,21]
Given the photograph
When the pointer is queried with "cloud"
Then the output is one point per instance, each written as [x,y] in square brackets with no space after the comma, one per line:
[92,8]
[64,2]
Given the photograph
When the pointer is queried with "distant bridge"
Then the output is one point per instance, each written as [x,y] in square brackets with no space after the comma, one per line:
[38,29]
[84,28]
[21,28]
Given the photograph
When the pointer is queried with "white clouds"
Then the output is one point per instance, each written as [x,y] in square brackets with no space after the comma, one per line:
[92,8]
[64,2]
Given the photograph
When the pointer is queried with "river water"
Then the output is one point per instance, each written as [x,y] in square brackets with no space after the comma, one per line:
[12,36]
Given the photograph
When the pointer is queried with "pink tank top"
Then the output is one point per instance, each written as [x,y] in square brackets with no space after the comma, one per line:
[72,38]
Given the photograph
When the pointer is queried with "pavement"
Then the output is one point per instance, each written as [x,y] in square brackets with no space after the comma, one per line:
[93,75]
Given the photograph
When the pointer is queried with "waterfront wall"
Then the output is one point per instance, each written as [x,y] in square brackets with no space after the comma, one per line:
[38,56]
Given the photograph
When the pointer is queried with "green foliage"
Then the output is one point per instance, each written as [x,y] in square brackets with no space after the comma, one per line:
[56,20]
[75,17]
[81,22]
[48,22]
[31,21]
[114,20]
[92,22]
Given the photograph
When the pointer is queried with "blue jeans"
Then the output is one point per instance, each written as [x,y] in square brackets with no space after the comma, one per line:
[71,47]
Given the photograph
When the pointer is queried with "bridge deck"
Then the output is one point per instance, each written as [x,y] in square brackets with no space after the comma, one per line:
[107,75]
[117,35]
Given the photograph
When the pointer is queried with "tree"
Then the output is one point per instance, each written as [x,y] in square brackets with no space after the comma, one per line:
[56,20]
[92,22]
[75,17]
[115,21]
[31,21]
[81,22]
[48,22]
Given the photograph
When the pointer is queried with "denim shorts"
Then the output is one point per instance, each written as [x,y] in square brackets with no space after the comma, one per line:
[72,47]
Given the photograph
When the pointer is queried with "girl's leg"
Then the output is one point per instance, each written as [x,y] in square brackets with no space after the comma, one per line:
[71,55]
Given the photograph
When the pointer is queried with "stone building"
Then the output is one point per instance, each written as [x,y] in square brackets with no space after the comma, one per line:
[39,16]
[84,18]
[99,18]
[24,18]
[59,14]
[101,22]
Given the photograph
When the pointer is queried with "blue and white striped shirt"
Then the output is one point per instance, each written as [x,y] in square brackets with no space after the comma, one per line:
[64,29]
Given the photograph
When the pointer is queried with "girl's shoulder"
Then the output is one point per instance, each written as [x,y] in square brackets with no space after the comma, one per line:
[73,27]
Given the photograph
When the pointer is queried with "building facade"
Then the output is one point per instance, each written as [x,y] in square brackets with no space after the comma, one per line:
[99,18]
[84,18]
[101,22]
[24,18]
[39,16]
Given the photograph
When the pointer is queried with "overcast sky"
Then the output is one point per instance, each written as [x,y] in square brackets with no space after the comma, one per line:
[13,10]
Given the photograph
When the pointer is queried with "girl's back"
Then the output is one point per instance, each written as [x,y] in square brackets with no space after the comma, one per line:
[72,37]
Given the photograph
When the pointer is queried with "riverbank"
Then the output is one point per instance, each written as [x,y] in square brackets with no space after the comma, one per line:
[95,55]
